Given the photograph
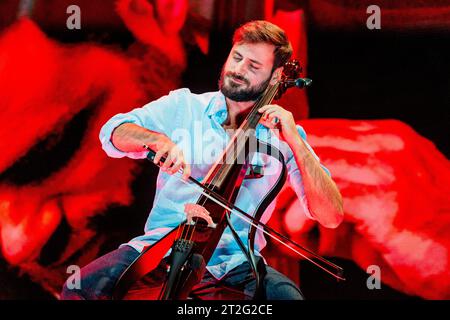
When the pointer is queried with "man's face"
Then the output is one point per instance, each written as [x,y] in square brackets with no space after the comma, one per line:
[247,71]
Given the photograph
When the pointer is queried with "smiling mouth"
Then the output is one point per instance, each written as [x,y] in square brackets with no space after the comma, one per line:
[236,80]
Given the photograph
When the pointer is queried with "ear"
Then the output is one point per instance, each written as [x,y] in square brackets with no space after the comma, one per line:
[276,75]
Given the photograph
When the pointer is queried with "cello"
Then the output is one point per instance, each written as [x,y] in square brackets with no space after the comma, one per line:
[193,241]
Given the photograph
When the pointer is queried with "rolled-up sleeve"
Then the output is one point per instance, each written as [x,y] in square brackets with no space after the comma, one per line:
[295,176]
[159,115]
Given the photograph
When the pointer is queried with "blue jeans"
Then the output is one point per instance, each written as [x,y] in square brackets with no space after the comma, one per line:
[99,277]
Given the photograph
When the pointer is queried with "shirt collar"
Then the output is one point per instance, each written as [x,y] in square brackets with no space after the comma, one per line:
[217,110]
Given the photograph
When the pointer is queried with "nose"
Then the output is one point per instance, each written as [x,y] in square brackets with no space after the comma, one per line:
[240,68]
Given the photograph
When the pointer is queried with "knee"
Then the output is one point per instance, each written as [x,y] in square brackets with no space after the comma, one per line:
[98,289]
[283,291]
[69,293]
[281,288]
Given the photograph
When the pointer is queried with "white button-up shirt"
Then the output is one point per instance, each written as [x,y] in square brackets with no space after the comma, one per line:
[194,123]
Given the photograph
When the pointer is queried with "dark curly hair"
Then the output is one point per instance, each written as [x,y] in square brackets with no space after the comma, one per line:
[264,31]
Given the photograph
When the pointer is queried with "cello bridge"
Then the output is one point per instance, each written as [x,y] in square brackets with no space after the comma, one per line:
[194,210]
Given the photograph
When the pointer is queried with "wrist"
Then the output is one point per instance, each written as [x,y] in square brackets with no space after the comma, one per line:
[154,140]
[297,146]
[157,139]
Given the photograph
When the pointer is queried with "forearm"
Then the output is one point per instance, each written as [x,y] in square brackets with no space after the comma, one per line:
[129,137]
[323,197]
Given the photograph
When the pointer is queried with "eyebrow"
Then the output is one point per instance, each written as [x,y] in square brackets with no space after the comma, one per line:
[253,61]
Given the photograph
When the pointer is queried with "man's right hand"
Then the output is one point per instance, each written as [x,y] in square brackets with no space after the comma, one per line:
[174,157]
[129,137]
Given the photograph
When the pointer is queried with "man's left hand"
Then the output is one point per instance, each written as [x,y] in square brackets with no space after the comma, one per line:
[280,121]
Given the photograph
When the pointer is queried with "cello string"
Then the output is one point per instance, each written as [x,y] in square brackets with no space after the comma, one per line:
[267,98]
[227,207]
[271,91]
[197,186]
[264,231]
[232,145]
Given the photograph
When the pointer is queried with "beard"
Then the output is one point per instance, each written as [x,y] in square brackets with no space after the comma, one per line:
[240,92]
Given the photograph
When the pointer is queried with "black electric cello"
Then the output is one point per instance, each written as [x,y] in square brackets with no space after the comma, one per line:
[193,242]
